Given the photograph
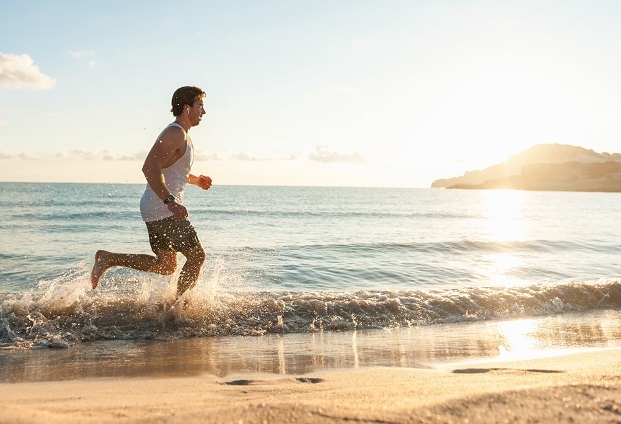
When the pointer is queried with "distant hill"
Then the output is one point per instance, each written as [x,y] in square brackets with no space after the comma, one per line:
[553,167]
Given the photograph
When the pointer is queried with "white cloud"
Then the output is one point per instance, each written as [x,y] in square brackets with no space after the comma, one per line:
[81,53]
[140,156]
[21,155]
[81,154]
[248,157]
[91,155]
[244,156]
[19,71]
[323,154]
[3,123]
[85,155]
[78,154]
[83,56]
[204,156]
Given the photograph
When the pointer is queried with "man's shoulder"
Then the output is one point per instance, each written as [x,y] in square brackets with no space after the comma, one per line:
[173,133]
[174,129]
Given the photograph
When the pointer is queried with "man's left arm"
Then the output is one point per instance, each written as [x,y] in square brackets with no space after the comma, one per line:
[201,181]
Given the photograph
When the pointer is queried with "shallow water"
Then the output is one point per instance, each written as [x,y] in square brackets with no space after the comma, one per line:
[296,354]
[289,260]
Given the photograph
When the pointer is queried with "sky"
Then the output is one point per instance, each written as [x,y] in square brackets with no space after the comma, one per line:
[391,93]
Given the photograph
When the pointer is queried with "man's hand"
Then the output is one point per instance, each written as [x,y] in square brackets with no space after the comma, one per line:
[201,181]
[178,210]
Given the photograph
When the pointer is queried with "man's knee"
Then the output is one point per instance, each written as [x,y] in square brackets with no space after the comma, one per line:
[168,268]
[200,255]
[168,262]
[196,255]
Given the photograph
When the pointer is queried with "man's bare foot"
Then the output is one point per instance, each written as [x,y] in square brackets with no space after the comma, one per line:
[99,267]
[182,302]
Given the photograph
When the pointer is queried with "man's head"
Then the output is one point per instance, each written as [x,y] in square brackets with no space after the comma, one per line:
[185,97]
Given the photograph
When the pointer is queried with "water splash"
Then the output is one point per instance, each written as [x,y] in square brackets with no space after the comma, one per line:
[65,311]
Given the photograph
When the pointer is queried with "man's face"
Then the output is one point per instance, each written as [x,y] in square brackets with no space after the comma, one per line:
[196,112]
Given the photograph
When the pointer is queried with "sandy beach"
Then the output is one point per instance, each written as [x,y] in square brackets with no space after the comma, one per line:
[578,387]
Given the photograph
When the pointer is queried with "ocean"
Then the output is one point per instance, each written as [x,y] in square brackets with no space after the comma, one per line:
[300,261]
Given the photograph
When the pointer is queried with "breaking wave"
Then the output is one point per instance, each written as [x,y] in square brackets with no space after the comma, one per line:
[65,311]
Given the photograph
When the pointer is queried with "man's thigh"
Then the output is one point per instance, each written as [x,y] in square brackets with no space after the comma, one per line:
[170,234]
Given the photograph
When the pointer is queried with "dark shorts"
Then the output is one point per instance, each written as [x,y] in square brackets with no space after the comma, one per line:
[173,235]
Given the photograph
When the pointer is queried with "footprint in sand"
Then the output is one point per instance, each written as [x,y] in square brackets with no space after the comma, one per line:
[484,370]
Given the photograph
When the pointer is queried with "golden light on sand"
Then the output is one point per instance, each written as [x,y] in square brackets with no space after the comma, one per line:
[518,341]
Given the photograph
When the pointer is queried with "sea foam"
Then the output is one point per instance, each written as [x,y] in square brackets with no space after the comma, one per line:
[65,311]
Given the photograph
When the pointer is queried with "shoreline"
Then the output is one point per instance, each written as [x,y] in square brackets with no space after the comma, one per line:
[303,353]
[584,387]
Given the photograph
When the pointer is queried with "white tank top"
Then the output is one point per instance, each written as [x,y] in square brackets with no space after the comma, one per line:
[176,177]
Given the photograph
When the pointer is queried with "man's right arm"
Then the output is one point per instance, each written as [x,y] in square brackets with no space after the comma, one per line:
[163,154]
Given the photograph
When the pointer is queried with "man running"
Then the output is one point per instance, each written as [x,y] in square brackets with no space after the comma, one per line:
[167,171]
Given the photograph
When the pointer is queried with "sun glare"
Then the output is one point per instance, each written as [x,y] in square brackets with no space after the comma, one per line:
[518,341]
[502,210]
[502,224]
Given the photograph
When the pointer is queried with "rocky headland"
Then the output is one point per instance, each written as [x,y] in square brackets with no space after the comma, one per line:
[550,167]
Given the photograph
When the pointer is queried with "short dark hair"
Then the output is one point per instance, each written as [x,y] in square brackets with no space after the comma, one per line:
[187,95]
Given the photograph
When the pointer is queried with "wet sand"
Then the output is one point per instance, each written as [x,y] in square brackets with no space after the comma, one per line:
[558,369]
[582,387]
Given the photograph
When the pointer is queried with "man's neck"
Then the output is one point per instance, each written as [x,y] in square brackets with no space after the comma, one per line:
[184,123]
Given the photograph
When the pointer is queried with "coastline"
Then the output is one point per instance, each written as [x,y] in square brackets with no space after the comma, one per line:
[302,353]
[584,387]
